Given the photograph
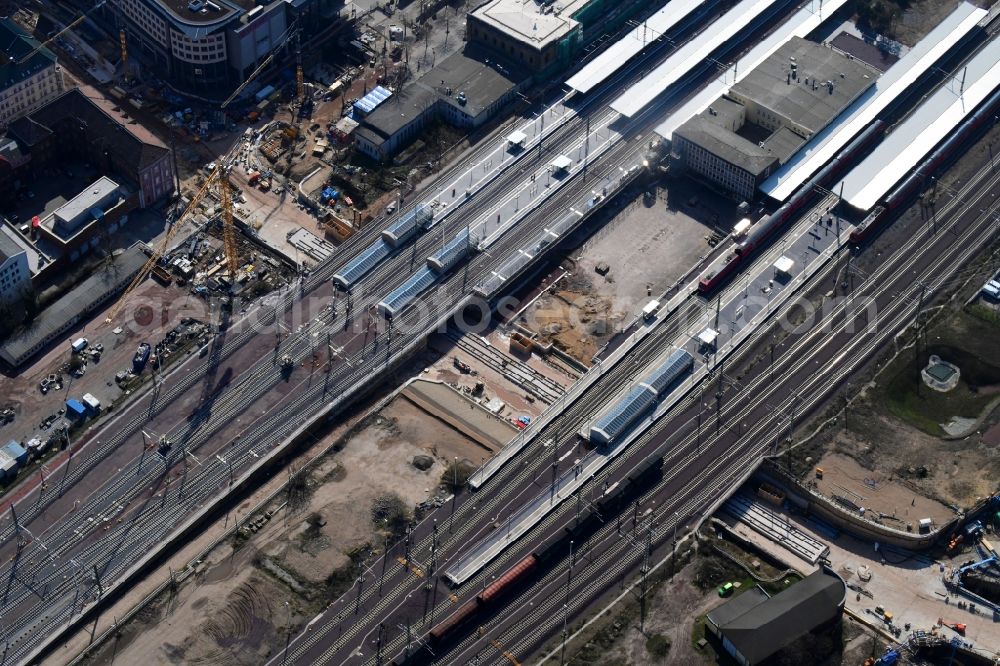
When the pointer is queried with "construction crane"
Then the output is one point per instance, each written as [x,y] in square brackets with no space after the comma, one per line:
[300,87]
[228,230]
[121,39]
[219,176]
[75,22]
[242,87]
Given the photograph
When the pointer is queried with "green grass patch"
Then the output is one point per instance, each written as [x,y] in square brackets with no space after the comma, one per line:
[965,340]
[986,314]
[909,399]
[698,630]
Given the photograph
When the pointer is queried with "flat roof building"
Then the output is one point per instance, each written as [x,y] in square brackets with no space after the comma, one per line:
[206,48]
[802,86]
[79,210]
[466,89]
[544,36]
[27,85]
[893,83]
[15,276]
[82,123]
[803,22]
[769,114]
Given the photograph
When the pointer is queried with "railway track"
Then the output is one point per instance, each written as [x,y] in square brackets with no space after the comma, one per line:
[910,247]
[516,371]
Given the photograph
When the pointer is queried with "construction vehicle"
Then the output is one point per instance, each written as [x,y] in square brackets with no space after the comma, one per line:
[971,533]
[973,566]
[462,367]
[883,614]
[958,627]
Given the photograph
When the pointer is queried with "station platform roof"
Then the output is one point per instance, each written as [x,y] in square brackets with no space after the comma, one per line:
[693,54]
[932,121]
[826,144]
[801,24]
[621,52]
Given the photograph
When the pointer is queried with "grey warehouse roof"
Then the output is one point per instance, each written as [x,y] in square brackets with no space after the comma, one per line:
[768,84]
[726,145]
[397,112]
[767,627]
[737,606]
[783,144]
[71,308]
[89,197]
[481,76]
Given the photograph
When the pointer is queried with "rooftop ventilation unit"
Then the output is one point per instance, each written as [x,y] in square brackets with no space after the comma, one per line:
[196,5]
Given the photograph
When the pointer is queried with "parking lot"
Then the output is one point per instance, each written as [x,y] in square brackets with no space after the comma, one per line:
[37,396]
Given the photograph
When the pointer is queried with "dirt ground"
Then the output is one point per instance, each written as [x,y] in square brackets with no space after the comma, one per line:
[585,309]
[888,435]
[463,414]
[878,491]
[954,473]
[239,606]
[676,613]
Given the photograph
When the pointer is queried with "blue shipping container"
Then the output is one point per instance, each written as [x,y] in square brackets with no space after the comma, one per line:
[75,409]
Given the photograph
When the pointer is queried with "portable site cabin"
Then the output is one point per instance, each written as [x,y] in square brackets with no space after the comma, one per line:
[16,451]
[8,467]
[75,409]
[92,404]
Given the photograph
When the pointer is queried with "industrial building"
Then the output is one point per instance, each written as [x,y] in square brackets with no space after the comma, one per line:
[544,36]
[60,317]
[207,47]
[27,85]
[754,626]
[894,84]
[465,90]
[803,22]
[768,115]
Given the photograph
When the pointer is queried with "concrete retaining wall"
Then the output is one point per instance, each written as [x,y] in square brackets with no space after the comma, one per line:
[849,521]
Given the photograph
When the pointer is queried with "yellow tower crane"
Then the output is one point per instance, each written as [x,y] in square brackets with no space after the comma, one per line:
[300,86]
[121,39]
[219,176]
